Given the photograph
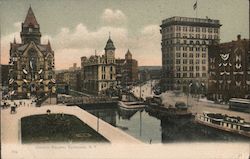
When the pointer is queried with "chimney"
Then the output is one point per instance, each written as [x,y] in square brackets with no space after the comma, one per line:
[238,37]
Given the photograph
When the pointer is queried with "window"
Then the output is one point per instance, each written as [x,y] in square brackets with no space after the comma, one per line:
[178,61]
[178,35]
[203,30]
[197,61]
[209,36]
[184,41]
[184,68]
[197,42]
[111,76]
[210,30]
[191,42]
[184,54]
[204,55]
[178,75]
[178,68]
[191,75]
[197,29]
[204,74]
[191,55]
[197,74]
[178,54]
[191,49]
[184,74]
[197,36]
[191,29]
[178,48]
[197,55]
[191,61]
[191,68]
[197,68]
[191,35]
[216,30]
[178,28]
[204,49]
[184,28]
[111,68]
[203,68]
[185,61]
[197,49]
[203,61]
[204,36]
[184,48]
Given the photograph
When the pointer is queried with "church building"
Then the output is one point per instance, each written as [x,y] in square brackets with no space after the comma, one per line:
[32,64]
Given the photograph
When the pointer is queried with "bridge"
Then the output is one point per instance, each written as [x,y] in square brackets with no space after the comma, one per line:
[86,100]
[11,123]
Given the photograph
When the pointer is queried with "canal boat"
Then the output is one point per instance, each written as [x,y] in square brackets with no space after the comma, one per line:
[128,103]
[131,105]
[236,125]
[156,108]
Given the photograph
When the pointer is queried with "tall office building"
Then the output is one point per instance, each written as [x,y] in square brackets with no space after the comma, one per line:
[185,44]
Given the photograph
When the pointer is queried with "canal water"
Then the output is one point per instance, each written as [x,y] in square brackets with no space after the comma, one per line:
[150,129]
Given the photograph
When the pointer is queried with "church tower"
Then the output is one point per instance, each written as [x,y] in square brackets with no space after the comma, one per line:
[110,50]
[30,29]
[32,64]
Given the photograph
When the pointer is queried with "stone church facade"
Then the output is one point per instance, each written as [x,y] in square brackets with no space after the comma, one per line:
[32,64]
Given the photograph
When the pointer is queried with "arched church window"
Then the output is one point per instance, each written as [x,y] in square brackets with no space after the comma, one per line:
[24,87]
[33,62]
[15,86]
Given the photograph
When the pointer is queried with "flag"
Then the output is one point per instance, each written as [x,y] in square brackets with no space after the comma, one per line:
[195,5]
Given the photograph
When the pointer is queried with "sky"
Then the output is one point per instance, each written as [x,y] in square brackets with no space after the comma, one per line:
[77,28]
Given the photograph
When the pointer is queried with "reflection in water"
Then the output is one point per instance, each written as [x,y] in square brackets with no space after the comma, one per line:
[147,128]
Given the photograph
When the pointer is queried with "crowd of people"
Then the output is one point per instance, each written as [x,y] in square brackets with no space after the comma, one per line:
[13,105]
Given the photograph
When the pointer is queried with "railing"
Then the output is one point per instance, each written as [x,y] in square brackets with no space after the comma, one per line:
[85,100]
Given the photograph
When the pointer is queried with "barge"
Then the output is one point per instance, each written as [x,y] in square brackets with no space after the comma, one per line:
[156,108]
[231,124]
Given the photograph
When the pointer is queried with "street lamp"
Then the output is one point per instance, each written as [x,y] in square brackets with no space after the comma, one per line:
[188,89]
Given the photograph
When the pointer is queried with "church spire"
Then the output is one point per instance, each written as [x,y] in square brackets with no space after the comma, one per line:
[30,19]
[30,29]
[49,46]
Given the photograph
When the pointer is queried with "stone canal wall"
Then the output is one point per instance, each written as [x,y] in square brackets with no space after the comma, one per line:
[10,123]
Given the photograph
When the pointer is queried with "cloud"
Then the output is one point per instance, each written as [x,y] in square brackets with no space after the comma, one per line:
[115,17]
[71,44]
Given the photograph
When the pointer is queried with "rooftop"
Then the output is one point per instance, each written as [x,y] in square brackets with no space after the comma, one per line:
[189,21]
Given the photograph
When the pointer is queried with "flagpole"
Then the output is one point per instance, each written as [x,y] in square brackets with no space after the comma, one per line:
[196,8]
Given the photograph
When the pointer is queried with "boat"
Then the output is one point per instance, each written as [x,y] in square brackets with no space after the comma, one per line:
[236,125]
[131,105]
[156,108]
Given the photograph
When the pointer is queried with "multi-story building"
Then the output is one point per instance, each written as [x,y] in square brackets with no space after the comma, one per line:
[127,70]
[99,72]
[229,70]
[4,78]
[31,63]
[185,44]
[69,79]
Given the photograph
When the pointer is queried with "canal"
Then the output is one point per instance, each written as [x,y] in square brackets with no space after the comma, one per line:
[150,129]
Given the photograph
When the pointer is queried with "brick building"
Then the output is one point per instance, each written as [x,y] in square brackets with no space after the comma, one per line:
[229,70]
[127,70]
